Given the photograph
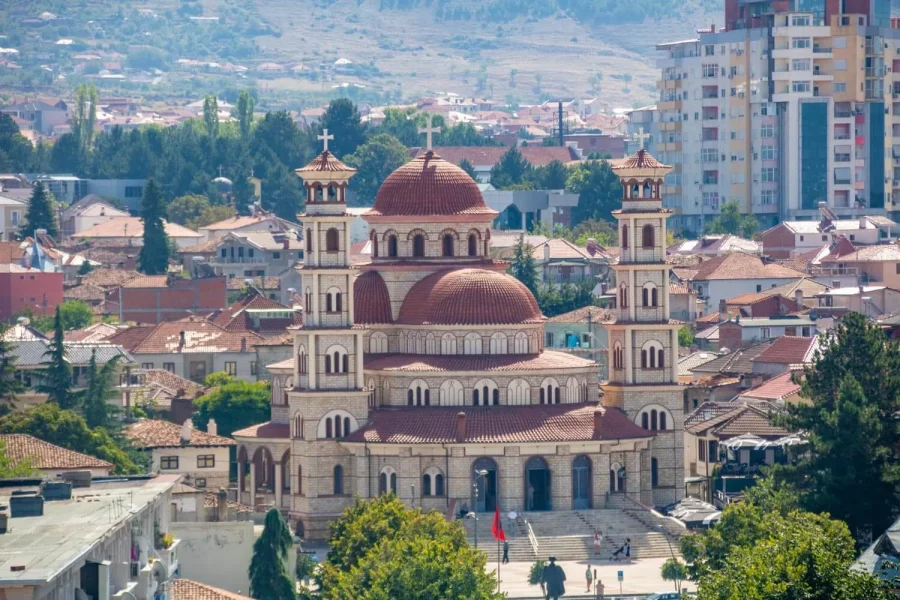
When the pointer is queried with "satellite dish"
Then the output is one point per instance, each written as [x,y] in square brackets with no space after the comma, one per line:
[160,572]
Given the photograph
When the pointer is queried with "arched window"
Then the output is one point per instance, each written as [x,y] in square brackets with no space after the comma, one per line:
[521,343]
[452,393]
[623,296]
[426,484]
[328,428]
[473,245]
[333,300]
[387,481]
[419,390]
[332,240]
[336,360]
[616,478]
[654,420]
[550,391]
[660,359]
[476,394]
[418,245]
[447,245]
[338,427]
[647,236]
[649,295]
[485,392]
[448,343]
[392,246]
[299,488]
[328,363]
[652,355]
[518,392]
[498,343]
[617,356]
[378,343]
[572,390]
[624,236]
[433,482]
[410,397]
[472,343]
[346,425]
[373,240]
[309,240]
[338,480]
[662,421]
[438,485]
[645,421]
[654,472]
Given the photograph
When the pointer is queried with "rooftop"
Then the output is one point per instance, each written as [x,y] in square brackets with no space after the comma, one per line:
[488,156]
[152,433]
[186,589]
[586,314]
[789,350]
[742,266]
[775,389]
[547,360]
[133,228]
[33,353]
[43,455]
[42,548]
[185,337]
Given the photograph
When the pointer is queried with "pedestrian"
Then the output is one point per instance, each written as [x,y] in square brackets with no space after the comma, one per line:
[600,590]
[553,577]
[617,554]
[628,549]
[589,576]
[505,552]
[598,542]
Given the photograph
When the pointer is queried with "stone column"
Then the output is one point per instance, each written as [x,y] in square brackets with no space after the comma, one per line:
[350,306]
[599,479]
[360,373]
[278,485]
[315,241]
[316,318]
[629,377]
[241,482]
[312,362]
[632,296]
[253,484]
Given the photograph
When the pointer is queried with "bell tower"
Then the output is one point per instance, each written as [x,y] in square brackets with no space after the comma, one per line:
[643,340]
[327,400]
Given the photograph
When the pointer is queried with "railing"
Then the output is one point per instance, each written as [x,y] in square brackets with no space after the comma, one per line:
[532,538]
[238,260]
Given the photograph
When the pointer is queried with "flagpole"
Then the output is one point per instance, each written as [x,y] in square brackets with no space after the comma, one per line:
[498,566]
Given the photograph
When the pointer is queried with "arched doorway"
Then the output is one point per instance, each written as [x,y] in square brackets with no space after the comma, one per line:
[616,478]
[486,485]
[537,484]
[581,482]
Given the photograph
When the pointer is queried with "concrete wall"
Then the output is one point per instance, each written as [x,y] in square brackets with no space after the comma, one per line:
[217,554]
[216,476]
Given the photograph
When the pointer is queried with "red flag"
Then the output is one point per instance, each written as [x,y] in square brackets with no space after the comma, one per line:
[497,526]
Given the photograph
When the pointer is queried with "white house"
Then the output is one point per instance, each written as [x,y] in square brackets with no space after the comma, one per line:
[88,212]
[264,223]
[50,460]
[731,275]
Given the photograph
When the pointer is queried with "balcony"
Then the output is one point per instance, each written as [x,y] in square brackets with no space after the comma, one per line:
[841,158]
[237,260]
[822,52]
[841,136]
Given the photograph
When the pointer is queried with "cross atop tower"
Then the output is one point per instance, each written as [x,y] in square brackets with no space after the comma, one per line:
[428,131]
[640,137]
[324,138]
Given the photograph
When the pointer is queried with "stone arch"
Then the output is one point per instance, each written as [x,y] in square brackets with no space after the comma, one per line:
[373,241]
[472,240]
[520,343]
[452,393]
[332,240]
[518,392]
[334,299]
[448,343]
[472,343]
[336,424]
[654,417]
[550,391]
[430,346]
[433,482]
[297,425]
[378,342]
[499,343]
[449,240]
[418,393]
[623,295]
[537,484]
[648,236]
[652,355]
[387,481]
[618,357]
[337,360]
[263,464]
[649,295]
[285,467]
[572,390]
[617,476]
[582,485]
[485,484]
[485,393]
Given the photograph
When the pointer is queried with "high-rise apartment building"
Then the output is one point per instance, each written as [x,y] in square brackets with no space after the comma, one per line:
[792,104]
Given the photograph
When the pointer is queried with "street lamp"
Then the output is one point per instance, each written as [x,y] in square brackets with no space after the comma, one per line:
[478,474]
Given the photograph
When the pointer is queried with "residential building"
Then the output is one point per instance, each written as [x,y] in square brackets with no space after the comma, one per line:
[86,213]
[96,543]
[712,245]
[786,354]
[759,304]
[43,116]
[271,351]
[161,393]
[559,261]
[880,559]
[870,300]
[49,460]
[259,223]
[740,332]
[779,390]
[846,265]
[602,144]
[790,238]
[127,191]
[129,231]
[783,109]
[581,332]
[186,589]
[27,289]
[733,274]
[191,349]
[683,304]
[12,216]
[201,456]
[30,363]
[257,313]
[159,298]
[529,209]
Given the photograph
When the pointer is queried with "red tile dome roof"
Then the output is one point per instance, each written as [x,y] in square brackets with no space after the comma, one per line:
[426,186]
[372,303]
[469,297]
[325,162]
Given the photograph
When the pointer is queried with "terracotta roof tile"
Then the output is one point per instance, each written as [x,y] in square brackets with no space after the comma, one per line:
[788,350]
[371,299]
[680,288]
[547,360]
[497,424]
[147,281]
[777,388]
[133,227]
[641,159]
[428,185]
[185,589]
[235,223]
[44,455]
[750,421]
[582,315]
[324,162]
[152,433]
[173,384]
[469,297]
[263,283]
[742,266]
[199,336]
[564,249]
[878,253]
[267,430]
[109,278]
[85,292]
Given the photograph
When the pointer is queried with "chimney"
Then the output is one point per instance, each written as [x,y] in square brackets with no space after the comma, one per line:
[460,426]
[798,298]
[222,505]
[180,341]
[243,344]
[547,251]
[863,222]
[598,424]
[186,432]
[723,310]
[212,428]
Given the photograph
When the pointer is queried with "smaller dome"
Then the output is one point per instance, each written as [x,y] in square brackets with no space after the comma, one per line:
[371,300]
[324,162]
[469,297]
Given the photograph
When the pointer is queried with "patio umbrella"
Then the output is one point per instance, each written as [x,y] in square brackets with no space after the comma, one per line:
[790,440]
[747,440]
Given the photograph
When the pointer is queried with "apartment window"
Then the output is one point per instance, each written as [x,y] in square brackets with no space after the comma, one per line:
[253,367]
[800,64]
[764,332]
[738,177]
[709,50]
[709,155]
[800,43]
[768,152]
[769,174]
[804,331]
[800,86]
[710,71]
[767,130]
[231,368]
[275,255]
[14,218]
[800,20]
[840,65]
[170,367]
[758,288]
[701,450]
[711,199]
[840,87]
[549,341]
[200,482]
[767,197]
[146,365]
[134,191]
[168,463]
[206,461]
[839,42]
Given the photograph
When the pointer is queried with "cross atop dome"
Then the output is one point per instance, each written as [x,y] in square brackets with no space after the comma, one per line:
[428,130]
[641,138]
[325,137]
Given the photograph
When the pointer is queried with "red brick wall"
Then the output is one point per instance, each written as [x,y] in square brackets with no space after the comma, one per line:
[156,305]
[732,13]
[730,336]
[39,292]
[778,242]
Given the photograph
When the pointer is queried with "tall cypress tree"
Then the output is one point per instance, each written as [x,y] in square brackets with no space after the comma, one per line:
[522,266]
[154,256]
[268,576]
[9,385]
[94,403]
[57,382]
[39,214]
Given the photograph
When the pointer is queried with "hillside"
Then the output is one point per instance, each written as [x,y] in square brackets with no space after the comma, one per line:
[519,50]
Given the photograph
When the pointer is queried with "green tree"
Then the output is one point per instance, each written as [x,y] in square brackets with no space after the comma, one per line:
[83,117]
[244,109]
[15,151]
[95,398]
[598,188]
[9,385]
[40,213]
[75,314]
[381,550]
[730,220]
[342,120]
[85,268]
[853,386]
[68,429]
[153,259]
[195,211]
[469,168]
[10,468]
[211,117]
[401,123]
[268,576]
[675,571]
[281,193]
[380,156]
[57,374]
[234,406]
[551,177]
[685,337]
[512,169]
[522,265]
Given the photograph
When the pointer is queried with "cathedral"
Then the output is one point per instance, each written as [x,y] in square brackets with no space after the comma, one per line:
[423,371]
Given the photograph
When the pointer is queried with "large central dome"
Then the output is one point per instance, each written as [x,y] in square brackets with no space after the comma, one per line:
[469,297]
[427,186]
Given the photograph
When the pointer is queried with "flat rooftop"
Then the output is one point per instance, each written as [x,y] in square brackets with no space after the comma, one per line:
[47,545]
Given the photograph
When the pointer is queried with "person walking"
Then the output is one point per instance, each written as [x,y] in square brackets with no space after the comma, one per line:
[589,576]
[600,590]
[505,552]
[598,542]
[553,578]
[628,549]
